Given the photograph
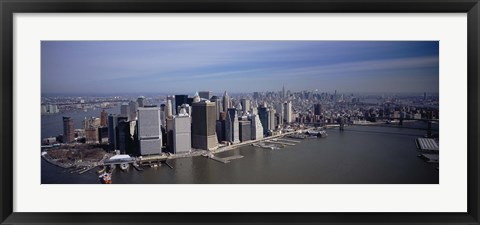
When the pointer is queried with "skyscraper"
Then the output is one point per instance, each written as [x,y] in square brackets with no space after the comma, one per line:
[203,125]
[149,131]
[226,102]
[182,132]
[124,111]
[68,130]
[288,112]
[103,118]
[132,107]
[245,105]
[205,94]
[231,127]
[180,100]
[256,126]
[263,113]
[218,106]
[112,127]
[244,130]
[141,101]
[317,109]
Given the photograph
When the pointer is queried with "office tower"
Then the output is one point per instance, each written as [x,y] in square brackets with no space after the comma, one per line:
[142,101]
[226,102]
[256,126]
[231,126]
[124,111]
[180,100]
[245,130]
[103,118]
[68,130]
[91,126]
[317,109]
[132,107]
[168,108]
[149,131]
[245,105]
[271,119]
[52,109]
[125,138]
[239,109]
[162,115]
[205,94]
[287,112]
[203,125]
[280,111]
[182,132]
[102,134]
[218,106]
[112,127]
[263,116]
[169,131]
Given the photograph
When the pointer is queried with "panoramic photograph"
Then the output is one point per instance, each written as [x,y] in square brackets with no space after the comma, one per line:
[239,112]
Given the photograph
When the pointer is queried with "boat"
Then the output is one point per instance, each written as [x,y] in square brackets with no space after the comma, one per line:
[105,178]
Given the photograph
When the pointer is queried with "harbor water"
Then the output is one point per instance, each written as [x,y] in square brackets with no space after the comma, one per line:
[357,155]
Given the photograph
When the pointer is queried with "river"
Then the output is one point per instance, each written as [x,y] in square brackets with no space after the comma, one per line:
[357,155]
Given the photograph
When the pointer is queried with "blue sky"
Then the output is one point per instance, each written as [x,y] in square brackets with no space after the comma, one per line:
[115,67]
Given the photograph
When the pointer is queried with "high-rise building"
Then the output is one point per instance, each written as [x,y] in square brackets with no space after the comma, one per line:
[245,105]
[68,130]
[149,131]
[287,112]
[142,101]
[280,109]
[205,94]
[102,134]
[271,119]
[256,126]
[203,125]
[124,111]
[245,130]
[103,118]
[182,132]
[125,137]
[231,126]
[218,106]
[317,109]
[132,107]
[91,126]
[112,127]
[162,115]
[180,100]
[263,113]
[226,102]
[168,108]
[169,131]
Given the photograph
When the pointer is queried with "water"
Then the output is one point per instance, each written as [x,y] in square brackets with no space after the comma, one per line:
[358,155]
[52,125]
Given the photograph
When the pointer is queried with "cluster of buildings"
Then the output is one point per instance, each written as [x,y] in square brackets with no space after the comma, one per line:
[181,124]
[49,109]
[205,121]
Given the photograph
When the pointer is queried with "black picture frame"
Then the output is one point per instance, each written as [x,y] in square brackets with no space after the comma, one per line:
[9,7]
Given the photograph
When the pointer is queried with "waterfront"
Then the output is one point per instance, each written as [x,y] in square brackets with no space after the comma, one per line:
[358,155]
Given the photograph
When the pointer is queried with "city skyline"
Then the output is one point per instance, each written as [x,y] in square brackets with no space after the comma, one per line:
[109,67]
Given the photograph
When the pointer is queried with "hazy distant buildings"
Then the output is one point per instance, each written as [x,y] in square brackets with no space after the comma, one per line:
[68,130]
[149,131]
[203,125]
[182,132]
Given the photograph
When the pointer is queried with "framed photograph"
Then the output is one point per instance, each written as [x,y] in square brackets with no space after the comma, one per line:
[254,112]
